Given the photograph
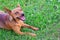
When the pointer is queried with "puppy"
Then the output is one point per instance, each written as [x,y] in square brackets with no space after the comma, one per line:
[13,19]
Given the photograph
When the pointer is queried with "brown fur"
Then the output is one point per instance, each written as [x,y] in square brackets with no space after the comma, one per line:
[17,24]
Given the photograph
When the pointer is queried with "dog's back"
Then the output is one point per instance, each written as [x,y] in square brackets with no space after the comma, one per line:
[4,17]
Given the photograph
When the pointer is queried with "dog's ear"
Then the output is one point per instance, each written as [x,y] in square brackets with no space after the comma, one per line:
[18,5]
[7,10]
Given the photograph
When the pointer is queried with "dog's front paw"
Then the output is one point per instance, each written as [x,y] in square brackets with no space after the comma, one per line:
[32,34]
[21,33]
[35,28]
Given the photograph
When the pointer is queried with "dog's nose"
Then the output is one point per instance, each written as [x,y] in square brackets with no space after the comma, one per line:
[22,14]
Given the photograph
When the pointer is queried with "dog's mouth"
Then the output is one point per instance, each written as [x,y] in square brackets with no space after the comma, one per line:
[21,18]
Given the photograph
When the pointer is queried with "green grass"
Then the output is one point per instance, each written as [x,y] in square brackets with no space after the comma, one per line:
[44,14]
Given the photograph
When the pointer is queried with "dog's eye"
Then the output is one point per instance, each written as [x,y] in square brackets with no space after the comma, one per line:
[16,12]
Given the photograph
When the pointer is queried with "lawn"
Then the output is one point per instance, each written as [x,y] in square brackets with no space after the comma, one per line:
[44,14]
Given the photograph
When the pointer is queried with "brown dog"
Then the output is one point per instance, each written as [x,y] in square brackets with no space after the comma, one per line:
[14,20]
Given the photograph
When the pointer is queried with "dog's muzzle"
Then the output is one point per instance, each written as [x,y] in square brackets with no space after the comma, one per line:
[21,18]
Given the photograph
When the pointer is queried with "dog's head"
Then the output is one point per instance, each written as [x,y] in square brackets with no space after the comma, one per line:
[16,12]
